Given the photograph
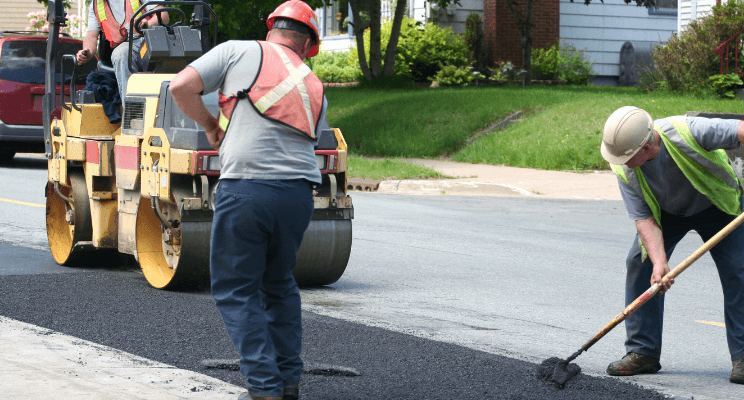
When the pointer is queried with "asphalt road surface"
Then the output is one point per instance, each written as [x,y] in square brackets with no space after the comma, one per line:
[444,297]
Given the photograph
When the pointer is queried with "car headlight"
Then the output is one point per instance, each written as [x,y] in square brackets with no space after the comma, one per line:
[321,161]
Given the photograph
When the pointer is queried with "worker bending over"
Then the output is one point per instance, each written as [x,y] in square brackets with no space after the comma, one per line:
[271,109]
[674,177]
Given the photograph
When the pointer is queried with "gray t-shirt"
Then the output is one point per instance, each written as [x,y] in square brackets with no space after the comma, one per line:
[255,147]
[117,8]
[670,186]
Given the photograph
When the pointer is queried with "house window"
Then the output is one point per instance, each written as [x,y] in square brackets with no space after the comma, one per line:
[665,7]
[335,15]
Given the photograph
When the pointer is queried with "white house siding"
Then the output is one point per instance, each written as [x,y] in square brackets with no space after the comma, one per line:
[453,16]
[14,15]
[600,29]
[690,10]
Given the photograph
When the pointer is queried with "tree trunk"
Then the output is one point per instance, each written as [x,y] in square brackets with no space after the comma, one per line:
[392,47]
[359,28]
[524,25]
[375,48]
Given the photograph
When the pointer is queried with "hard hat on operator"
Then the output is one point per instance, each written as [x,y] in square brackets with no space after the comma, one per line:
[296,10]
[625,132]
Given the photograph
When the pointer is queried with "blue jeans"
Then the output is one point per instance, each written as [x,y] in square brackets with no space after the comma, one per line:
[256,231]
[119,58]
[644,327]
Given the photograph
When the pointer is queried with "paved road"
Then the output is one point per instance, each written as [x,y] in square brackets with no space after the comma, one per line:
[438,290]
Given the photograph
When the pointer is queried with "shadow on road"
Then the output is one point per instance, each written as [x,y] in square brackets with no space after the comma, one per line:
[26,161]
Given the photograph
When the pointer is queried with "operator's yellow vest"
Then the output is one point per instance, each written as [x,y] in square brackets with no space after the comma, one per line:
[710,172]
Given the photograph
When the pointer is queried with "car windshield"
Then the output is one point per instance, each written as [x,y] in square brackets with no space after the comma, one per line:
[23,61]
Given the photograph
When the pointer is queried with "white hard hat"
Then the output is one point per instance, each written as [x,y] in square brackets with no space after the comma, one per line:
[625,132]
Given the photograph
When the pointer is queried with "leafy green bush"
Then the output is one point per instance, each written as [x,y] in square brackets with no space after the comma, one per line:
[423,49]
[724,85]
[563,62]
[451,75]
[334,67]
[545,62]
[688,59]
[574,68]
[650,79]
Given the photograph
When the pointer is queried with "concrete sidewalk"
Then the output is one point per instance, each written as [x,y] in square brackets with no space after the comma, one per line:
[493,180]
[38,363]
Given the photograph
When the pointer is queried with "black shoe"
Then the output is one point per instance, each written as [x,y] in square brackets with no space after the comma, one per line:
[634,364]
[291,391]
[737,374]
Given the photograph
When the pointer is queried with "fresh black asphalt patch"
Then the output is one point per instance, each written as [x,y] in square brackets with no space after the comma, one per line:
[120,310]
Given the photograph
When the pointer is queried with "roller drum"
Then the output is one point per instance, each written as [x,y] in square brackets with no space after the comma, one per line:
[65,239]
[324,253]
[177,258]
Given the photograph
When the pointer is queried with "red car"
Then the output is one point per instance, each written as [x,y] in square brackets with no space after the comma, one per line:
[22,60]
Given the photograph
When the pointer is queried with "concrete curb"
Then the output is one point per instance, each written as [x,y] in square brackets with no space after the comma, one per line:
[451,187]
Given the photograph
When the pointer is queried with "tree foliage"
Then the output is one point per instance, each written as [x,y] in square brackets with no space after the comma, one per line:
[246,19]
[237,19]
[688,59]
[376,67]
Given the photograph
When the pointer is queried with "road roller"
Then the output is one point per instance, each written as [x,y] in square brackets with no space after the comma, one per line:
[143,187]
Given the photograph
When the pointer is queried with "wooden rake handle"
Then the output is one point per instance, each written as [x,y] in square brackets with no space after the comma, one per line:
[653,290]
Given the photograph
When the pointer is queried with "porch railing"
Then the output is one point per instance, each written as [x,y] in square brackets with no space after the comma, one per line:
[723,51]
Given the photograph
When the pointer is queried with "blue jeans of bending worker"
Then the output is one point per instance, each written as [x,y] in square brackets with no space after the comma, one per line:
[644,327]
[256,231]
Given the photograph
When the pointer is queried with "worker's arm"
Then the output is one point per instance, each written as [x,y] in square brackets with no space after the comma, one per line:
[653,240]
[740,132]
[186,89]
[152,20]
[89,47]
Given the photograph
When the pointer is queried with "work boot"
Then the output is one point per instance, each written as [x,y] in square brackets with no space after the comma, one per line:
[247,396]
[633,364]
[737,374]
[291,391]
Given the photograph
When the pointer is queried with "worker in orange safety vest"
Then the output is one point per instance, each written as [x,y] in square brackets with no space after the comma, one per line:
[272,108]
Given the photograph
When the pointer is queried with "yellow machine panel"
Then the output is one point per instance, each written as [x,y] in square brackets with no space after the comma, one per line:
[156,164]
[147,84]
[90,122]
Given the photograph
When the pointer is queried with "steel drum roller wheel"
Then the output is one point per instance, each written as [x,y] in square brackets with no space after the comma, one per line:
[176,258]
[324,253]
[63,236]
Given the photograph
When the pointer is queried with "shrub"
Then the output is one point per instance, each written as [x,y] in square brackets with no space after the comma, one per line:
[724,85]
[334,67]
[563,62]
[545,62]
[574,69]
[451,75]
[475,39]
[37,23]
[423,49]
[688,59]
[503,72]
[650,79]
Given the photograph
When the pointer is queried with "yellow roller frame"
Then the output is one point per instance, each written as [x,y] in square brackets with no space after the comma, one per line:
[155,156]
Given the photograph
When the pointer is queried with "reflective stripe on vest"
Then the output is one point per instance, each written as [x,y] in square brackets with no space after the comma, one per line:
[709,172]
[294,80]
[271,93]
[108,24]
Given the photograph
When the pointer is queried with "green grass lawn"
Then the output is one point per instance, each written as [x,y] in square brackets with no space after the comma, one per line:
[561,126]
